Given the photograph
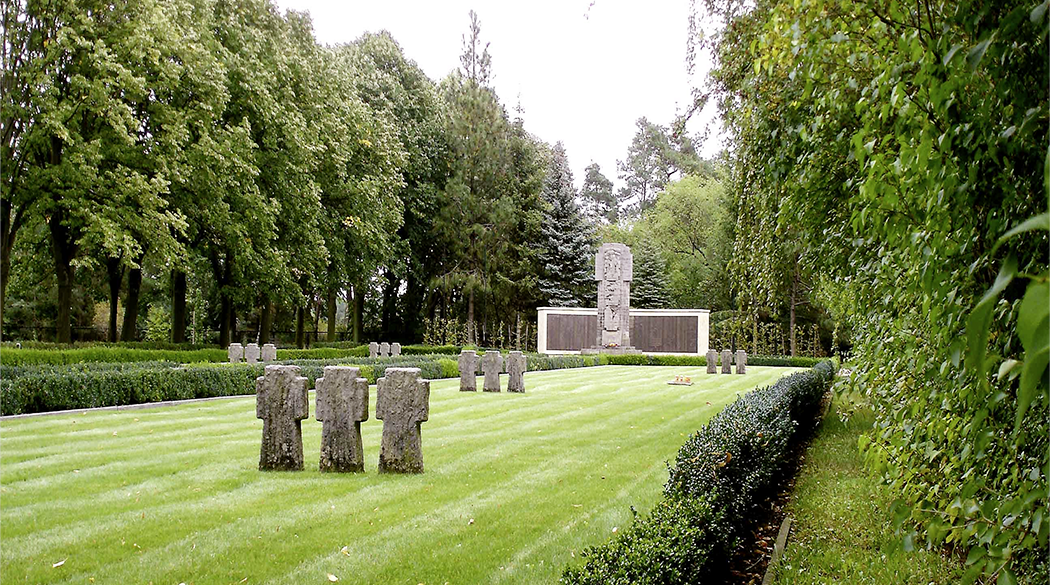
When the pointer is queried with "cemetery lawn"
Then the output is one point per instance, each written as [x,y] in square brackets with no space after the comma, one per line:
[516,485]
[842,529]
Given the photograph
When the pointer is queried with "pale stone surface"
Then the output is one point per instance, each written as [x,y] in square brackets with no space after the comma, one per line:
[741,361]
[468,369]
[403,404]
[613,269]
[251,353]
[281,402]
[727,361]
[373,350]
[269,353]
[516,366]
[342,404]
[395,349]
[384,349]
[712,362]
[235,352]
[491,365]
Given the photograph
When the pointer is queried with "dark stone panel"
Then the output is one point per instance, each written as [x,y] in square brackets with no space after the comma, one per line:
[571,332]
[664,333]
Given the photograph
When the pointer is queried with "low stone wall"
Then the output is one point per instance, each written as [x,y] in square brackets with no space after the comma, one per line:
[564,330]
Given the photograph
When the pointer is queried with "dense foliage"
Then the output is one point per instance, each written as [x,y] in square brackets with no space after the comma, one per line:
[719,477]
[891,146]
[206,165]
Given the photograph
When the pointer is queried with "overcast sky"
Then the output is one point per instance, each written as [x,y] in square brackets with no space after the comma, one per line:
[583,71]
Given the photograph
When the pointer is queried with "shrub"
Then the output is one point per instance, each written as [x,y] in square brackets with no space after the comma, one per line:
[537,362]
[729,465]
[699,360]
[88,388]
[113,354]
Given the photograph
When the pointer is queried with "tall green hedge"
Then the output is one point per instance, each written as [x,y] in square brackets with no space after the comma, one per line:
[721,475]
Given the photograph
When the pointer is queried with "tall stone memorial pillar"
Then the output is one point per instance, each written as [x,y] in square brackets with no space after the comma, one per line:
[613,269]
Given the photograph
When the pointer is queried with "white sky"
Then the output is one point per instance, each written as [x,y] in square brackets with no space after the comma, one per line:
[581,79]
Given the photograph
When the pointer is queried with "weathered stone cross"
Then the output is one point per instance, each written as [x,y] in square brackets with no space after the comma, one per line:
[281,401]
[403,404]
[342,404]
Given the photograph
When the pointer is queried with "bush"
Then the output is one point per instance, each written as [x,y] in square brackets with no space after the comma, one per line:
[113,354]
[79,387]
[538,362]
[699,360]
[730,465]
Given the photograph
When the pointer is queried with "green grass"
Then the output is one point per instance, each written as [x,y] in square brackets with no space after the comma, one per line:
[842,529]
[515,487]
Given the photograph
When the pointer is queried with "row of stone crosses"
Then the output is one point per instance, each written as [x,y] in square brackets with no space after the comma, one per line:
[727,362]
[492,364]
[384,349]
[251,353]
[402,403]
[282,402]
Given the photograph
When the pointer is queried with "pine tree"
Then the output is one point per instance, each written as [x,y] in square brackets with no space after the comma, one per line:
[567,244]
[597,201]
[651,286]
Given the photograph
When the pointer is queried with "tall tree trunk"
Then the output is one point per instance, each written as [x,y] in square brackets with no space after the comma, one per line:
[300,327]
[266,322]
[10,221]
[224,320]
[63,249]
[131,306]
[517,330]
[791,324]
[389,312]
[359,311]
[178,306]
[470,319]
[115,273]
[235,336]
[332,296]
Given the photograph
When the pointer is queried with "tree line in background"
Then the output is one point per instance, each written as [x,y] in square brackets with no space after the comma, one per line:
[889,160]
[178,168]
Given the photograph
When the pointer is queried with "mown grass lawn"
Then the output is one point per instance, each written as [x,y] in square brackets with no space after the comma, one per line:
[515,486]
[842,531]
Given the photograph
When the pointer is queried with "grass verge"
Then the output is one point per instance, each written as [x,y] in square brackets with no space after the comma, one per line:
[515,487]
[842,529]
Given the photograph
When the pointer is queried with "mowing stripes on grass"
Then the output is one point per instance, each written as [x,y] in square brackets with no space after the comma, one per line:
[515,485]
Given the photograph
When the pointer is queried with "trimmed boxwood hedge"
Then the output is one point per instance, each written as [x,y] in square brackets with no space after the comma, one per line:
[721,474]
[699,360]
[10,356]
[49,387]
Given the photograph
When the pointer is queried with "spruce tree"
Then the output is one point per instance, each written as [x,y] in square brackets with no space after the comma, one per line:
[651,286]
[567,244]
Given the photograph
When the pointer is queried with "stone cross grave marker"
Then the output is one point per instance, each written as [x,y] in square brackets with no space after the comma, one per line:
[373,350]
[468,368]
[491,365]
[342,404]
[251,353]
[384,349]
[235,352]
[403,404]
[281,402]
[516,366]
[727,361]
[395,349]
[269,353]
[741,361]
[712,362]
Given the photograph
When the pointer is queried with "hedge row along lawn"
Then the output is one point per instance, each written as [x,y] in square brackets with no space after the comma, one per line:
[516,486]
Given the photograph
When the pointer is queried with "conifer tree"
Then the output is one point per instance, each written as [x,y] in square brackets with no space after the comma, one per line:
[567,243]
[597,201]
[651,286]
